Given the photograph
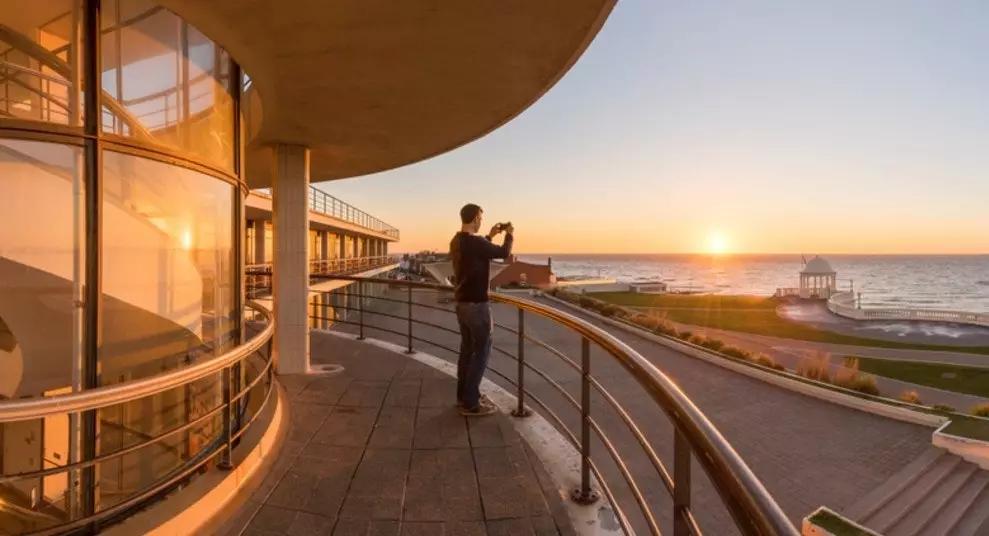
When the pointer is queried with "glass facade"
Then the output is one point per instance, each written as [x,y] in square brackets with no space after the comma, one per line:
[166,82]
[132,190]
[41,59]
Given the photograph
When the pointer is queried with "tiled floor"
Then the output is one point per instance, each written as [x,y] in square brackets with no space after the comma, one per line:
[380,450]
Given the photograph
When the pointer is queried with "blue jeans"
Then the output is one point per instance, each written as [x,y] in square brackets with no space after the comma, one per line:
[476,327]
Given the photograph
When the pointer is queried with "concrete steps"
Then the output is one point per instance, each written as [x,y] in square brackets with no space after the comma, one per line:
[938,494]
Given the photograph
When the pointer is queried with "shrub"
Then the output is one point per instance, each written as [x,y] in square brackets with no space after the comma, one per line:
[944,408]
[685,335]
[911,397]
[982,410]
[714,344]
[817,367]
[585,302]
[736,352]
[863,383]
[764,360]
[778,366]
[849,377]
[697,339]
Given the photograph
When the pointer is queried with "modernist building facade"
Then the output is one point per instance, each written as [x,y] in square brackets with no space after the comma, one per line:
[144,174]
[127,223]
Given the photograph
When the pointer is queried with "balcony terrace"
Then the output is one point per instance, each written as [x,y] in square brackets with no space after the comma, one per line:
[380,449]
[325,204]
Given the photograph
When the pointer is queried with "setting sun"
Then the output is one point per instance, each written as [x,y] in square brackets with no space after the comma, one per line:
[717,243]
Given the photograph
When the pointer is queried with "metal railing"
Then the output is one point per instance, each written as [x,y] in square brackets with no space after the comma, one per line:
[258,276]
[753,510]
[239,381]
[326,204]
[844,304]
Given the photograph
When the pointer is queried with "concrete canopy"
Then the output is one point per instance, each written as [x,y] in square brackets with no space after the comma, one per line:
[371,85]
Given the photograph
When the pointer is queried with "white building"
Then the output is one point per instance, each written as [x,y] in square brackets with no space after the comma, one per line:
[818,280]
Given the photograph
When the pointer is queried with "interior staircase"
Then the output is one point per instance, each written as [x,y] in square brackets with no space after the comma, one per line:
[938,494]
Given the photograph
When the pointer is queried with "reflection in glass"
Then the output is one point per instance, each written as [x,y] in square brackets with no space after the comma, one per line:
[169,84]
[130,424]
[168,273]
[168,267]
[39,63]
[40,278]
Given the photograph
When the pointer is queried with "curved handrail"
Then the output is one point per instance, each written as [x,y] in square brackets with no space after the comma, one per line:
[748,501]
[843,304]
[100,397]
[60,66]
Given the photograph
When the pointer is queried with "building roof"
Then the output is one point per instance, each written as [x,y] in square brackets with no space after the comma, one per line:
[818,266]
[536,275]
[378,84]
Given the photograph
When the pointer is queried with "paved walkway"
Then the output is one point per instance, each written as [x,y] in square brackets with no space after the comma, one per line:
[380,450]
[807,452]
[817,315]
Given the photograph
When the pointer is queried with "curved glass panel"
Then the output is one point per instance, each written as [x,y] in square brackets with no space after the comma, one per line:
[168,298]
[165,82]
[168,267]
[39,61]
[40,279]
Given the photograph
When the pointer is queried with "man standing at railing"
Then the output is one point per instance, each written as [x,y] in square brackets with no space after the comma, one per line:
[471,256]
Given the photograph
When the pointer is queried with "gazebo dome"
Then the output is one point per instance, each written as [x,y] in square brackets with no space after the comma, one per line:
[818,266]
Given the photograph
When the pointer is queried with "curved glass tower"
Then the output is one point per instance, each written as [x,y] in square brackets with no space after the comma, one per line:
[120,195]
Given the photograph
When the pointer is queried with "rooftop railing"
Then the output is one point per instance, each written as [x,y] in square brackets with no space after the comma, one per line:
[258,278]
[326,204]
[155,434]
[578,385]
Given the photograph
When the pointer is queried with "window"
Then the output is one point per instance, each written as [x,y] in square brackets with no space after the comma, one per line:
[166,82]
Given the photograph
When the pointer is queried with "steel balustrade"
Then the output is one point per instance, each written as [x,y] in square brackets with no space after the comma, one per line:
[232,411]
[326,204]
[753,509]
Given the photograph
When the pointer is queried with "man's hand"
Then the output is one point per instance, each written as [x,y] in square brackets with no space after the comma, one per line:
[495,230]
[509,228]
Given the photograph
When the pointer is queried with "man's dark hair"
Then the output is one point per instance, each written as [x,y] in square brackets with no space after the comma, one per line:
[469,212]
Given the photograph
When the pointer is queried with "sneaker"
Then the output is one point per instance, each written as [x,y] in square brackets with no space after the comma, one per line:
[482,410]
[484,400]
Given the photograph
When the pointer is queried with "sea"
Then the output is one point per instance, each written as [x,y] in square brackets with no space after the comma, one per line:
[954,282]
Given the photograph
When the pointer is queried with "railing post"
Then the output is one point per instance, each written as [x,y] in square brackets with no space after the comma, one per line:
[681,483]
[360,309]
[226,457]
[521,410]
[410,351]
[584,494]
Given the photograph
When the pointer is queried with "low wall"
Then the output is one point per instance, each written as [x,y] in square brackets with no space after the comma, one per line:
[843,304]
[594,285]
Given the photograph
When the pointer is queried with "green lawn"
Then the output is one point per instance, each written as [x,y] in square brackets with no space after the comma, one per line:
[968,380]
[970,427]
[836,525]
[751,315]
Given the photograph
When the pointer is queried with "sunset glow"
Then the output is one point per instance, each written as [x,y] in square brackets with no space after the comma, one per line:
[717,244]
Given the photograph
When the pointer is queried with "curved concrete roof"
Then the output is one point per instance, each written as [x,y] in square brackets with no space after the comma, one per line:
[377,84]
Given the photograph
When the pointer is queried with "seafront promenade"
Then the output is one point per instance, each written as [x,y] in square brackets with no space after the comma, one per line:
[806,451]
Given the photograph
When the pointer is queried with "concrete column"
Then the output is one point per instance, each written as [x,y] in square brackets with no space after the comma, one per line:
[343,245]
[259,230]
[290,188]
[325,244]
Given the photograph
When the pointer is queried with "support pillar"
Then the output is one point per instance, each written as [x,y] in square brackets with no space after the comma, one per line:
[290,214]
[259,242]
